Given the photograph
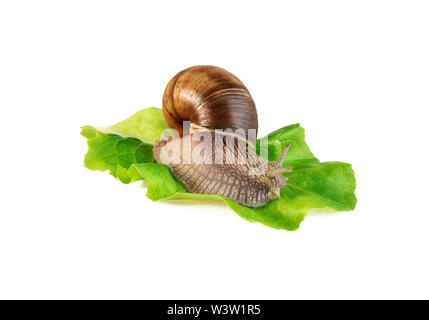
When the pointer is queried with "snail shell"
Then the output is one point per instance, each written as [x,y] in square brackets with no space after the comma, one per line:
[213,98]
[210,97]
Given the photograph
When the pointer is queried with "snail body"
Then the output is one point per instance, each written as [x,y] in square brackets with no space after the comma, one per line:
[211,98]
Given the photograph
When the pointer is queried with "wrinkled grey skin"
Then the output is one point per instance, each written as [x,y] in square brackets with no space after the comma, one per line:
[252,183]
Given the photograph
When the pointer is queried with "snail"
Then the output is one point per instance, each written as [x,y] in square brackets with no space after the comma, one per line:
[217,105]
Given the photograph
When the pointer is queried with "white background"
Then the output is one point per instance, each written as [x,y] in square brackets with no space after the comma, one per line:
[355,74]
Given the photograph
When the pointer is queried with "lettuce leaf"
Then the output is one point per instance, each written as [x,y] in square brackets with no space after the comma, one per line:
[146,125]
[112,152]
[322,185]
[313,184]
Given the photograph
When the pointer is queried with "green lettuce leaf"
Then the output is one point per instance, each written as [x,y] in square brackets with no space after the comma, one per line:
[112,152]
[321,185]
[312,184]
[299,152]
[146,125]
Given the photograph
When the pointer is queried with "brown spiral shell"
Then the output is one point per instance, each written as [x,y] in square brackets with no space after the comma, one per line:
[208,96]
